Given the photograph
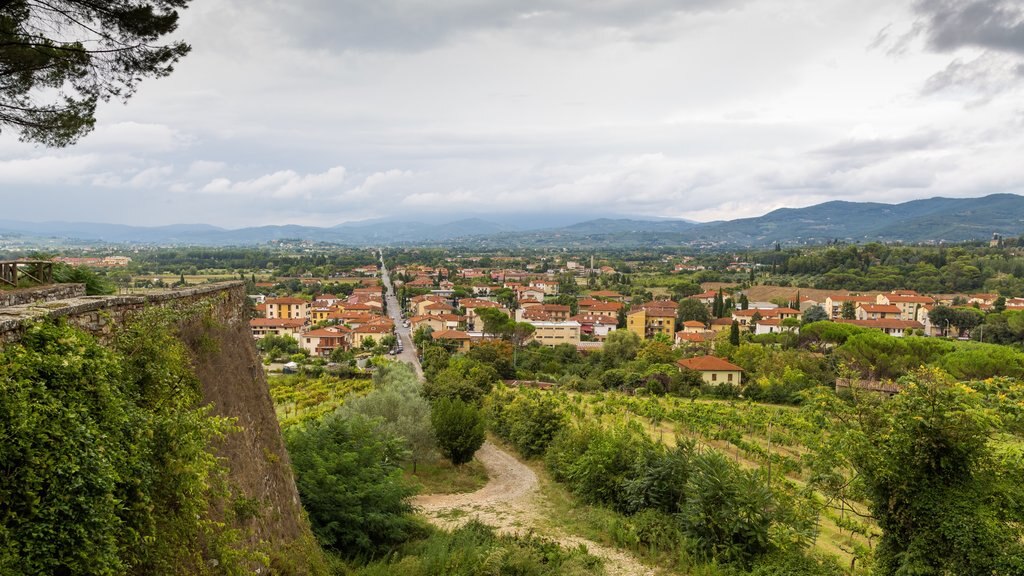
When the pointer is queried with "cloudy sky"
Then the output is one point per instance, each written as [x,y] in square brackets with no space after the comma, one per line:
[324,111]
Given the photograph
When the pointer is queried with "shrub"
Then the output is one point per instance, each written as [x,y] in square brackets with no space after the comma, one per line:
[475,549]
[529,420]
[728,511]
[459,429]
[106,465]
[348,475]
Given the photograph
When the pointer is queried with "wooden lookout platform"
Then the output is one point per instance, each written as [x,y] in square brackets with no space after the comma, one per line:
[38,271]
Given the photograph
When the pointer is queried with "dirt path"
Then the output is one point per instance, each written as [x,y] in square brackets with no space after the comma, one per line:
[512,503]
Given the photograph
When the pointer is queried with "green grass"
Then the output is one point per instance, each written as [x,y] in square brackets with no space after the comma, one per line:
[441,477]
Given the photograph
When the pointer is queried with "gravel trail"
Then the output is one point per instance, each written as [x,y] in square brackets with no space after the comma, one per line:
[512,503]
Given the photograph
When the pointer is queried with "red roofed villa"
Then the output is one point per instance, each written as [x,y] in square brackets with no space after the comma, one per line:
[713,370]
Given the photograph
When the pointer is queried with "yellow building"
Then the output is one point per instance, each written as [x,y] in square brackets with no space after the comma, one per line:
[288,308]
[713,370]
[555,333]
[646,323]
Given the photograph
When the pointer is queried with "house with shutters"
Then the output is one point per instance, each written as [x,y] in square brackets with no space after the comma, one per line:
[713,370]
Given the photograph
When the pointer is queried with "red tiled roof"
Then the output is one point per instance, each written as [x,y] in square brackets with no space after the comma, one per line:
[277,322]
[325,333]
[373,329]
[909,299]
[287,300]
[882,308]
[594,319]
[449,335]
[883,323]
[709,364]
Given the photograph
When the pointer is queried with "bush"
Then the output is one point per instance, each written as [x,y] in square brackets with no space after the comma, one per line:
[106,464]
[529,420]
[458,429]
[597,463]
[348,475]
[475,549]
[728,511]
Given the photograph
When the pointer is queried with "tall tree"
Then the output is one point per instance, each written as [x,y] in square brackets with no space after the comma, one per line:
[458,428]
[59,58]
[690,309]
[941,488]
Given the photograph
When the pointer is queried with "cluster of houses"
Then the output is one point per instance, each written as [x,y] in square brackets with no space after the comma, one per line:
[344,322]
[456,322]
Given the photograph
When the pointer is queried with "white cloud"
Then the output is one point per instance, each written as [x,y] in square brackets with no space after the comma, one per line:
[48,169]
[136,137]
[280,184]
[695,109]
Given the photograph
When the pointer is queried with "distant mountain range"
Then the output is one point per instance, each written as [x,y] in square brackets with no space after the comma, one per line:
[931,220]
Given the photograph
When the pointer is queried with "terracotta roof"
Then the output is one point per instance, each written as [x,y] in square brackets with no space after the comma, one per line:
[594,319]
[691,337]
[655,312]
[603,306]
[287,300]
[478,303]
[693,324]
[373,329]
[277,322]
[709,364]
[883,308]
[660,304]
[449,335]
[325,333]
[909,299]
[883,323]
[722,322]
[847,297]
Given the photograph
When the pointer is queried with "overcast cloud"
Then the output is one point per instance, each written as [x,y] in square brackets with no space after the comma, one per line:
[319,112]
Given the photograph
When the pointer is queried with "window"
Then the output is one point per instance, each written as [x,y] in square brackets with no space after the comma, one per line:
[730,377]
[714,377]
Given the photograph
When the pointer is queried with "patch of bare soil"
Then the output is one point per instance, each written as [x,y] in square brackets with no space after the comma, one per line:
[512,503]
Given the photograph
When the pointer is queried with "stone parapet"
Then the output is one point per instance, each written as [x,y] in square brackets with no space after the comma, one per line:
[99,314]
[40,294]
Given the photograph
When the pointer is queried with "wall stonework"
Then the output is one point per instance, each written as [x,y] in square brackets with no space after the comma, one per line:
[40,294]
[99,314]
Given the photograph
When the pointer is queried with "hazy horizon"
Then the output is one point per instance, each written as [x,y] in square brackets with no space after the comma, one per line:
[319,113]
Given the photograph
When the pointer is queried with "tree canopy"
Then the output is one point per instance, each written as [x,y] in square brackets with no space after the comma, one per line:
[59,58]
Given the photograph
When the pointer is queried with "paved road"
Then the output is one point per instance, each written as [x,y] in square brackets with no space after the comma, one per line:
[404,334]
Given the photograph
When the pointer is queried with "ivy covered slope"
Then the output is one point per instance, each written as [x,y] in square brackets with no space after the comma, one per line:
[109,458]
